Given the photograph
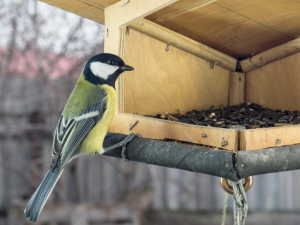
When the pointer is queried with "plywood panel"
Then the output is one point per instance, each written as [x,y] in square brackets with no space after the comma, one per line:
[177,8]
[236,88]
[276,85]
[90,9]
[184,43]
[203,24]
[166,81]
[255,139]
[280,15]
[118,16]
[235,27]
[162,129]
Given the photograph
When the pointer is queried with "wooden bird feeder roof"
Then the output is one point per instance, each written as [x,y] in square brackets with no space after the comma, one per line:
[235,27]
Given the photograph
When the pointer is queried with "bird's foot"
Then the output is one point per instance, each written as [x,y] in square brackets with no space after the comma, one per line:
[123,144]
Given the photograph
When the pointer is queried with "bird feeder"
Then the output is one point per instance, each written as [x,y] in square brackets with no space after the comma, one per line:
[186,55]
[165,42]
[192,54]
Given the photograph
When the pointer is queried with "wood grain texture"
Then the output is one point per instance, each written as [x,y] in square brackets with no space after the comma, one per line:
[143,91]
[161,129]
[226,25]
[90,9]
[272,55]
[186,44]
[231,27]
[118,17]
[255,139]
[236,88]
[167,81]
[281,16]
[178,8]
[276,85]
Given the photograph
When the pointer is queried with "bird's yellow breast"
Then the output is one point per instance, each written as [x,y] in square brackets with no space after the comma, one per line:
[94,140]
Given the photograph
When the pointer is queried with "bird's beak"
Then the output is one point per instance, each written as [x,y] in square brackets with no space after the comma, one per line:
[126,68]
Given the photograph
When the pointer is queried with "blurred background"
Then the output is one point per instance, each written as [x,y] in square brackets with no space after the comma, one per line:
[42,52]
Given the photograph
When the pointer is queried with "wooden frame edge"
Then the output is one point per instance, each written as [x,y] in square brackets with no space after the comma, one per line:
[270,56]
[117,17]
[184,43]
[255,139]
[164,129]
[237,85]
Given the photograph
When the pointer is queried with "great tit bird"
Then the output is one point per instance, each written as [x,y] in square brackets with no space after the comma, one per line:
[83,124]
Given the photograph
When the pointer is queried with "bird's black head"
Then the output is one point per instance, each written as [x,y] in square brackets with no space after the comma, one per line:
[104,69]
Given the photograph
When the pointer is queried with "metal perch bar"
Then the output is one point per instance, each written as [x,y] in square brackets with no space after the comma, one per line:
[203,160]
[268,160]
[167,154]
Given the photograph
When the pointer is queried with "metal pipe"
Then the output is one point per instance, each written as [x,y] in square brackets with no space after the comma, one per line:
[173,155]
[207,161]
[268,160]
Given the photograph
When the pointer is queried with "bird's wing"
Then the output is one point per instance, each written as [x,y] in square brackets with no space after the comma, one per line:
[69,135]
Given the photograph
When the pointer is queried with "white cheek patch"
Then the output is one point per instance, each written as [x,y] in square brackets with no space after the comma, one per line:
[87,115]
[102,70]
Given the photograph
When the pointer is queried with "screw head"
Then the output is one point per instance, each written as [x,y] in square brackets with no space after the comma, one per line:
[226,164]
[242,165]
[141,24]
[278,141]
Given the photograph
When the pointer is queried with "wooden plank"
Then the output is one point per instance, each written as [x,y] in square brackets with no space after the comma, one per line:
[186,44]
[255,139]
[178,8]
[226,25]
[271,55]
[282,17]
[236,88]
[167,81]
[276,85]
[161,129]
[118,17]
[233,28]
[90,9]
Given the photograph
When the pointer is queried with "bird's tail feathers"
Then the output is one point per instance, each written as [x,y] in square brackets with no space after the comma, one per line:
[40,196]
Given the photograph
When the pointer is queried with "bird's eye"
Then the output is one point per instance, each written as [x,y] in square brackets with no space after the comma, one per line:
[111,62]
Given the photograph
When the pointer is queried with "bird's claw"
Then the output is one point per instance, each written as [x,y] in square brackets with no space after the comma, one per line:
[124,154]
[125,142]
